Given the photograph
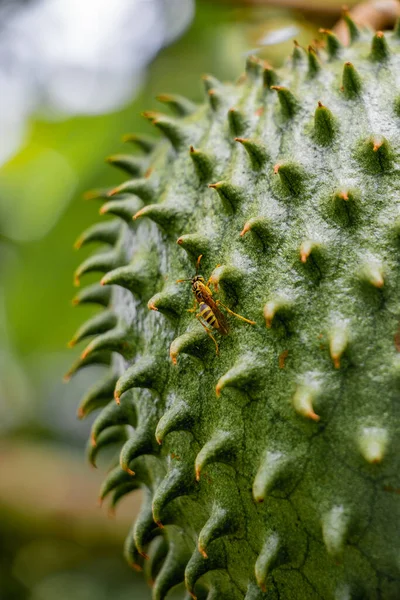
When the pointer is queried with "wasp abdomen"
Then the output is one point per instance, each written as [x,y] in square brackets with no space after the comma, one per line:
[207,314]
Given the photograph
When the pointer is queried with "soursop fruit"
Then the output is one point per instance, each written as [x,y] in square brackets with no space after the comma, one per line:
[271,470]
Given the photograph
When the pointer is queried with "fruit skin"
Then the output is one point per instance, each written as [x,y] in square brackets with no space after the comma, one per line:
[272,470]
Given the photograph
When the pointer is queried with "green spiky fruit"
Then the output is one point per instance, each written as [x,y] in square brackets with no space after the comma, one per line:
[270,471]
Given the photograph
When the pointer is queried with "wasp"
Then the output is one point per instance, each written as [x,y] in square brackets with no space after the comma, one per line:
[209,315]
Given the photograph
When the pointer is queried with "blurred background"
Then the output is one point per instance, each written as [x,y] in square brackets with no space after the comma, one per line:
[75,76]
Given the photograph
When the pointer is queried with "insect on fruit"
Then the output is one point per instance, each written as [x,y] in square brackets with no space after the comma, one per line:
[209,313]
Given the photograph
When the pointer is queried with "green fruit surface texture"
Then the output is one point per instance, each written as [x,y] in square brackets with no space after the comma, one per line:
[269,471]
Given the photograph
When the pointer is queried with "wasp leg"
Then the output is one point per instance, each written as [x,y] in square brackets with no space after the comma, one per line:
[208,331]
[234,314]
[194,308]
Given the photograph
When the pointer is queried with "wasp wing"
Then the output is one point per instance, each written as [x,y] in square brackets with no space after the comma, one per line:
[223,326]
[206,297]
